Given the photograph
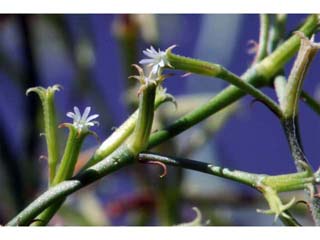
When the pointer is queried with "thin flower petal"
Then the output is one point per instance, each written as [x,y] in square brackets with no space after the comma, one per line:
[85,114]
[77,116]
[70,115]
[150,54]
[152,49]
[146,61]
[92,117]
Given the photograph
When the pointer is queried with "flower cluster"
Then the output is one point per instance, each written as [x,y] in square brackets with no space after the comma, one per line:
[84,121]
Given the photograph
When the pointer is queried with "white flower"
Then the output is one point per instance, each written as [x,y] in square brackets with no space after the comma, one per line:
[156,59]
[84,121]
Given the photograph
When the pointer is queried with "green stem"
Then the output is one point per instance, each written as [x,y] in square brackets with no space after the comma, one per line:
[215,70]
[118,159]
[263,37]
[280,83]
[65,170]
[301,162]
[271,65]
[311,102]
[70,156]
[277,31]
[140,136]
[136,143]
[124,131]
[259,75]
[289,182]
[44,218]
[305,56]
[50,125]
[290,105]
[239,176]
[291,221]
[279,183]
[261,182]
[290,127]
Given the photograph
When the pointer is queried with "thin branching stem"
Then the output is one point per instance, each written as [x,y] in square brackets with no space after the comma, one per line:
[260,182]
[263,37]
[290,105]
[280,183]
[311,102]
[215,70]
[277,32]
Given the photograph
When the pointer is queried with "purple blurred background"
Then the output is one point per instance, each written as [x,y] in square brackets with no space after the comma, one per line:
[86,55]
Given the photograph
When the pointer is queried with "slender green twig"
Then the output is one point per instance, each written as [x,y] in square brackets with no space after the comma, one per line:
[50,125]
[268,185]
[263,38]
[277,32]
[306,54]
[293,89]
[291,221]
[215,70]
[70,155]
[280,83]
[118,159]
[280,183]
[140,136]
[311,102]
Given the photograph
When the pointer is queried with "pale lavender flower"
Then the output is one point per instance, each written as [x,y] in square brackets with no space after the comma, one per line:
[156,60]
[84,121]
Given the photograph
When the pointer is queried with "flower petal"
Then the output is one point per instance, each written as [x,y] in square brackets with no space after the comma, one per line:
[92,117]
[70,115]
[146,61]
[77,116]
[85,114]
[152,49]
[149,54]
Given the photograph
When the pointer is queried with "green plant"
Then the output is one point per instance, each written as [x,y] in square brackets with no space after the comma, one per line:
[130,143]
